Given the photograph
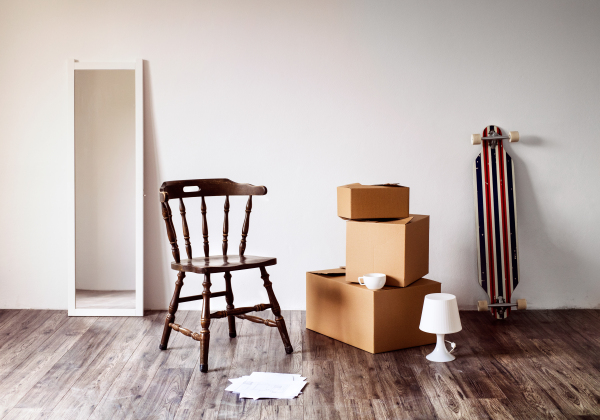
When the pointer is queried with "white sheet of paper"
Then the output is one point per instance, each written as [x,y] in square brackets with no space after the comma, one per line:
[267,385]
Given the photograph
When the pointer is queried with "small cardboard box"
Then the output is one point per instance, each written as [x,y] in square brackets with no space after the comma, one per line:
[397,248]
[356,201]
[372,320]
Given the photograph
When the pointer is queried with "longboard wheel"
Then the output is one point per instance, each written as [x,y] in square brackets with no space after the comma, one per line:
[476,139]
[514,136]
[521,304]
[482,306]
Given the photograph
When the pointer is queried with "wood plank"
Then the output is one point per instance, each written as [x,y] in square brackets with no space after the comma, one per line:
[19,349]
[130,334]
[317,347]
[135,378]
[356,372]
[400,391]
[445,394]
[61,340]
[158,322]
[497,408]
[95,380]
[321,398]
[86,393]
[19,326]
[471,376]
[47,392]
[251,355]
[527,397]
[566,395]
[277,360]
[577,372]
[26,414]
[6,315]
[321,378]
[17,383]
[323,412]
[205,390]
[569,391]
[536,364]
[281,412]
[358,409]
[280,362]
[184,351]
[161,399]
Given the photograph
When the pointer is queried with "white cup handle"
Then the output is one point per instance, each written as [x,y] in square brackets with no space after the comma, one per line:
[359,279]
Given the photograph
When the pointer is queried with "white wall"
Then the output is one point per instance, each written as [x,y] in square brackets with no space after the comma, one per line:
[302,97]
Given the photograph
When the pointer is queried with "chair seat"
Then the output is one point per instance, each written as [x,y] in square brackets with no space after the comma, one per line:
[221,264]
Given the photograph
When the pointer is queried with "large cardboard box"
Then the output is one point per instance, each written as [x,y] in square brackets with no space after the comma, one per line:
[356,201]
[372,320]
[397,248]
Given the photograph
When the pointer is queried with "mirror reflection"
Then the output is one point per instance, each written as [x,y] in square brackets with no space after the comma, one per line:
[105,189]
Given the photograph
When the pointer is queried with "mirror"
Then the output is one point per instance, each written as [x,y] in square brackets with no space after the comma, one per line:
[106,254]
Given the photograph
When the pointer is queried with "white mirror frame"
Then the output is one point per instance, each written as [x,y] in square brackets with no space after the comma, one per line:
[139,191]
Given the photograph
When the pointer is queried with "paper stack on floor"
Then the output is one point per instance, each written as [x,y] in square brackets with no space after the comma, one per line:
[268,385]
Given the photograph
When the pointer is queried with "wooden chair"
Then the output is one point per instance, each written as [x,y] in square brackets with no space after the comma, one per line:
[207,265]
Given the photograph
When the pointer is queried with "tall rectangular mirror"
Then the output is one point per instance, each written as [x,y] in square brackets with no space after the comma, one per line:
[106,271]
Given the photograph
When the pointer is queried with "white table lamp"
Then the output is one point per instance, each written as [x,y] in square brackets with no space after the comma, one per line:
[440,316]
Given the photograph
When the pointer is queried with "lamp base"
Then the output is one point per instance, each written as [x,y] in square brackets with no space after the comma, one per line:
[440,353]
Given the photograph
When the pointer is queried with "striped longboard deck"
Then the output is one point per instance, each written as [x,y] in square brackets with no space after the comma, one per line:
[496,216]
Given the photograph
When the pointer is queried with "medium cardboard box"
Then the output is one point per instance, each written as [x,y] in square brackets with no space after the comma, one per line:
[372,320]
[356,201]
[397,248]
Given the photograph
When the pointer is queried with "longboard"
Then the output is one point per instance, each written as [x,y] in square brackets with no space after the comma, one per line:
[496,220]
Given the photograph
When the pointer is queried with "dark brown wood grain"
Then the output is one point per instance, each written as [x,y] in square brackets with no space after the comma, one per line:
[204,228]
[205,333]
[168,218]
[246,226]
[229,296]
[276,311]
[240,311]
[216,264]
[184,226]
[222,264]
[172,310]
[225,224]
[209,188]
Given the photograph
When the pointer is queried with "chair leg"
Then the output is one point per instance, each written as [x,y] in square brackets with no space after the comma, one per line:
[229,300]
[205,322]
[172,309]
[276,311]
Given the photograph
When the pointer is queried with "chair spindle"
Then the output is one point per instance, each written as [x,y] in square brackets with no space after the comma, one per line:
[204,227]
[186,232]
[246,226]
[168,218]
[226,225]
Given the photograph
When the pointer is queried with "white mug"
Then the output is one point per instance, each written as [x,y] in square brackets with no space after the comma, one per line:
[373,281]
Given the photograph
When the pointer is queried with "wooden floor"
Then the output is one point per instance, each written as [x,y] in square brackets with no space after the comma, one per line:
[536,364]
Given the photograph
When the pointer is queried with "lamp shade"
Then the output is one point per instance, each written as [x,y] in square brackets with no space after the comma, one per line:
[440,314]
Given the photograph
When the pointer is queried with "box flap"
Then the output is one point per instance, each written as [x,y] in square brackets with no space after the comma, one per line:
[350,185]
[333,272]
[404,221]
[358,185]
[389,185]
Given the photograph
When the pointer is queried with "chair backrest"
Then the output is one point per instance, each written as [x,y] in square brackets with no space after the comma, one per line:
[171,190]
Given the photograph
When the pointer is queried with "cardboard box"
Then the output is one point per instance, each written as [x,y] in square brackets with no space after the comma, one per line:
[372,320]
[397,248]
[356,201]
